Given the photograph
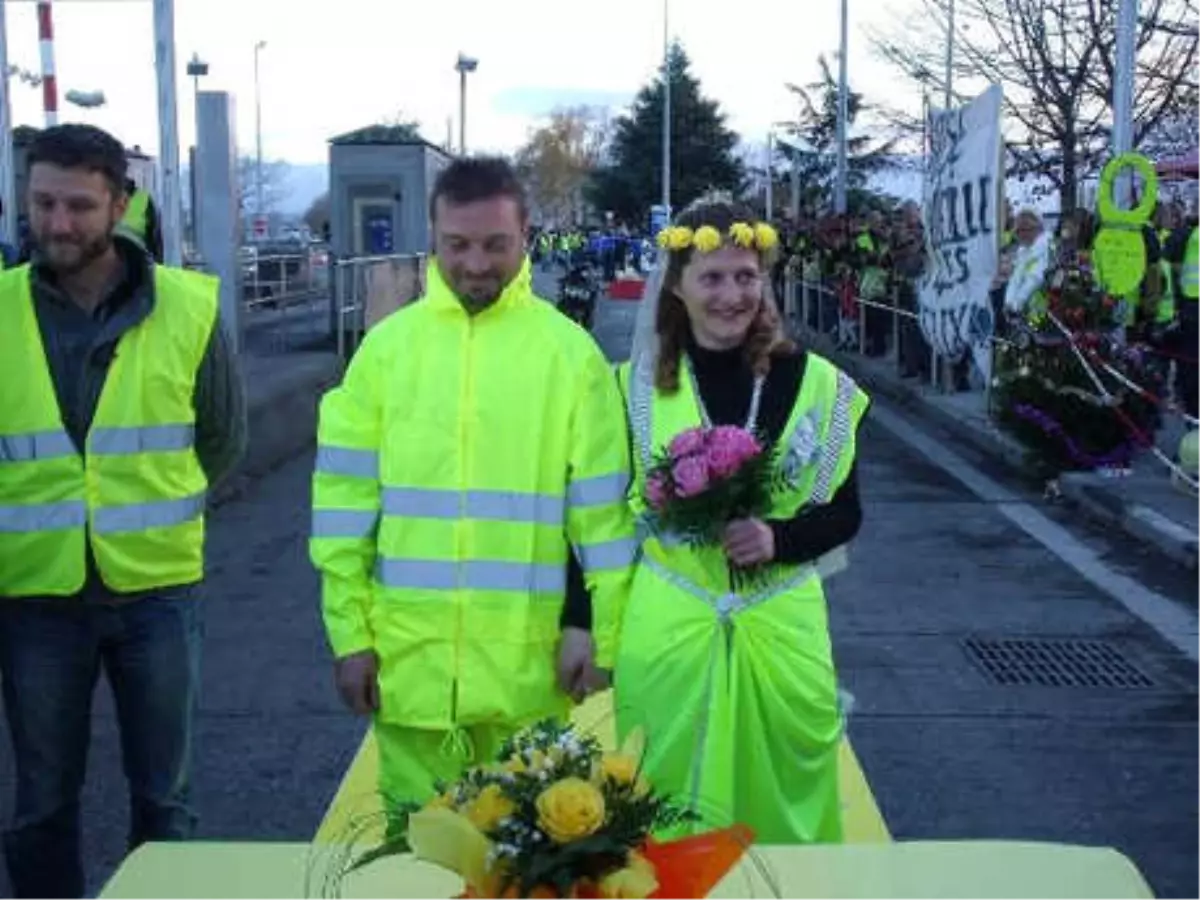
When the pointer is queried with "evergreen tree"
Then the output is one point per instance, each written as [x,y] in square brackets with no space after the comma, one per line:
[702,149]
[816,131]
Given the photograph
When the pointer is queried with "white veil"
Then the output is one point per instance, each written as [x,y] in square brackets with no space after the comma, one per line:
[644,348]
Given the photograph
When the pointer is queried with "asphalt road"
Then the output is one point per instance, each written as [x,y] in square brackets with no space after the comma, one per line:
[948,753]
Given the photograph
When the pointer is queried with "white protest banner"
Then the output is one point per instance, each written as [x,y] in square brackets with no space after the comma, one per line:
[962,212]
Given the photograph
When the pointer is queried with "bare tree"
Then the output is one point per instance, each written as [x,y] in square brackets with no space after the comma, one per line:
[275,189]
[1056,62]
[316,217]
[558,158]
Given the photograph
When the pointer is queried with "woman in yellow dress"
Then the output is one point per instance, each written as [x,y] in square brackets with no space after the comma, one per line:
[735,686]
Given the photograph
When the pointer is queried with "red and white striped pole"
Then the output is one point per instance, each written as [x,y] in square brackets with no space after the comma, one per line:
[49,82]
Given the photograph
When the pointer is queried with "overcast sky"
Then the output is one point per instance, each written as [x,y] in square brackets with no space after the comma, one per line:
[332,67]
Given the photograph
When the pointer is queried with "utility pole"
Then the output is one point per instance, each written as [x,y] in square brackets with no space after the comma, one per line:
[1122,134]
[169,205]
[8,194]
[259,204]
[949,102]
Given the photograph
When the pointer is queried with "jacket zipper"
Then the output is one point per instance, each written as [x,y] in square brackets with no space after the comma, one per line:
[464,435]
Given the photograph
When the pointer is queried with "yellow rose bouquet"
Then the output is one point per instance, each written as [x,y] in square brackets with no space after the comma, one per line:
[556,816]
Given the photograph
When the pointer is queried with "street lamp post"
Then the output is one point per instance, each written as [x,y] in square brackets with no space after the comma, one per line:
[770,174]
[843,113]
[464,66]
[259,209]
[196,68]
[666,123]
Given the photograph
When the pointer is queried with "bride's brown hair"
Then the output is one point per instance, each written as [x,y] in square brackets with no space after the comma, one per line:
[765,337]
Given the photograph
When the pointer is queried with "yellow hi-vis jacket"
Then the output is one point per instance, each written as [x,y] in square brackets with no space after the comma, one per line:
[1189,274]
[137,492]
[458,463]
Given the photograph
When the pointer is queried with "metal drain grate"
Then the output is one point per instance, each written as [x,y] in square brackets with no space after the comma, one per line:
[1055,663]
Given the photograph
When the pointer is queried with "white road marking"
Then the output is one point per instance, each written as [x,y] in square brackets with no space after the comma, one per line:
[1177,624]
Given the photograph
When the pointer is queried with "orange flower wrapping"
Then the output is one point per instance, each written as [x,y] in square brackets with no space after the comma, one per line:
[692,867]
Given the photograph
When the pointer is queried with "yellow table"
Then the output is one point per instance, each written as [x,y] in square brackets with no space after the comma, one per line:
[357,799]
[959,870]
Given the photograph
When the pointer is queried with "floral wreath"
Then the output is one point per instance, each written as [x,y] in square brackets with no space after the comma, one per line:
[705,239]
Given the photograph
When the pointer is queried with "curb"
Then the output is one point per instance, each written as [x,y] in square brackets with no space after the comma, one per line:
[1089,492]
[281,412]
[1086,492]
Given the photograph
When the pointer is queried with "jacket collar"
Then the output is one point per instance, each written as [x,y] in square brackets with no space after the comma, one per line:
[517,292]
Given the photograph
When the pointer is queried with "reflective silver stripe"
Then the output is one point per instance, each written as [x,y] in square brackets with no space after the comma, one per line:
[36,445]
[1190,279]
[145,439]
[841,426]
[344,523]
[641,410]
[497,506]
[43,517]
[140,516]
[438,575]
[347,461]
[603,490]
[616,554]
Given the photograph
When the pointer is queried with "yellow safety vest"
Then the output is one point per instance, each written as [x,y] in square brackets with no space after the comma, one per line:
[825,418]
[459,461]
[137,492]
[136,214]
[1164,309]
[873,281]
[1189,275]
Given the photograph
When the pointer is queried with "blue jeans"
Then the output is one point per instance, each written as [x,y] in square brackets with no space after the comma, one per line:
[51,653]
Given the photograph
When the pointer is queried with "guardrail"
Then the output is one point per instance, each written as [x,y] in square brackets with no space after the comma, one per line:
[367,288]
[281,279]
[835,317]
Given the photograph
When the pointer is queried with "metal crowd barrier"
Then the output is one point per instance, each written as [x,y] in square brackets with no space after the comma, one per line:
[814,311]
[280,279]
[367,288]
[286,299]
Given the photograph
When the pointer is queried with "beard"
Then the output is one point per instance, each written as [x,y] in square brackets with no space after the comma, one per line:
[477,294]
[70,257]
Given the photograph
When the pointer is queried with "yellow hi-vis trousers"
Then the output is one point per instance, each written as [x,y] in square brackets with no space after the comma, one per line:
[411,760]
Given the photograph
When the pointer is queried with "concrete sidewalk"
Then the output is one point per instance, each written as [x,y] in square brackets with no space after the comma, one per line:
[1145,505]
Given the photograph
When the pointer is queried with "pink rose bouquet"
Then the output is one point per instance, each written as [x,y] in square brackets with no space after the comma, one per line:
[706,478]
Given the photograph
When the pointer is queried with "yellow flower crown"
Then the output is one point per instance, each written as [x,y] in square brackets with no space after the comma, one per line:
[706,238]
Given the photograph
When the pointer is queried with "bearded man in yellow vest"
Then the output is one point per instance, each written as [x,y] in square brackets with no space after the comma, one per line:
[120,403]
[474,451]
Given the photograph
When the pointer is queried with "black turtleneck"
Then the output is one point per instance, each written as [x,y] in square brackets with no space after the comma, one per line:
[726,382]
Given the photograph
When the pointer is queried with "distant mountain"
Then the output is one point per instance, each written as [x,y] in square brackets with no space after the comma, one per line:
[305,183]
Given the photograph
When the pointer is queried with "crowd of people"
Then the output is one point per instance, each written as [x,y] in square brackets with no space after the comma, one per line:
[881,258]
[608,250]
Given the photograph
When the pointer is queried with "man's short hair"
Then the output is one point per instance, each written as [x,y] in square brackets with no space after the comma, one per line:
[76,146]
[474,178]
